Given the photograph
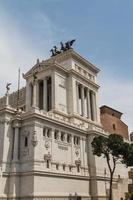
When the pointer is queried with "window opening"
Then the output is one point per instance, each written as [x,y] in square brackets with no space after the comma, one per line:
[49,94]
[68,138]
[47,164]
[48,133]
[62,136]
[41,89]
[56,135]
[64,167]
[78,168]
[57,166]
[114,127]
[70,168]
[26,141]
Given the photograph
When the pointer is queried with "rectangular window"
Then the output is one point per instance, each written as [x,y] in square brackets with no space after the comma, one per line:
[47,164]
[26,141]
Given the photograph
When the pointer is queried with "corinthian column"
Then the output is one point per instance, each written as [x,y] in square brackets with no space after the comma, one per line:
[16,125]
[35,94]
[93,105]
[88,104]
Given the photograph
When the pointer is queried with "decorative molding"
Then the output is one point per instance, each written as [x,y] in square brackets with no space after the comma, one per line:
[78,162]
[5,121]
[47,145]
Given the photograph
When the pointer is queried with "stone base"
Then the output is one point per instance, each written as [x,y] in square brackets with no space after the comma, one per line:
[53,198]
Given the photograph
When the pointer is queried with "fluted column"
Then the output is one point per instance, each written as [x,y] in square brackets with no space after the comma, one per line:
[16,126]
[88,104]
[35,94]
[82,101]
[93,105]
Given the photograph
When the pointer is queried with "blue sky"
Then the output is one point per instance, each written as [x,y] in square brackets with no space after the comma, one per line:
[104,35]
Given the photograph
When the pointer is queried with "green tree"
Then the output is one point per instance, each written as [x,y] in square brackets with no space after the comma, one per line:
[113,149]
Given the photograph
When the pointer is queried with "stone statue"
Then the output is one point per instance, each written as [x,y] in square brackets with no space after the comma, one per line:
[64,47]
[69,44]
[52,51]
[8,87]
[56,50]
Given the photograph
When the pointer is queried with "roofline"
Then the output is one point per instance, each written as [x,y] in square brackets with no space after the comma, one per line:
[72,53]
[111,109]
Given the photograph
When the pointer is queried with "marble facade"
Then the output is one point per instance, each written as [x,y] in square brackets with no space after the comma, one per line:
[45,147]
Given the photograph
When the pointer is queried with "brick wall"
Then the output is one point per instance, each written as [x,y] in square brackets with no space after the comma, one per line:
[113,124]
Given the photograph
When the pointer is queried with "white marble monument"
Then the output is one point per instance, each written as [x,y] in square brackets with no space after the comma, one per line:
[45,150]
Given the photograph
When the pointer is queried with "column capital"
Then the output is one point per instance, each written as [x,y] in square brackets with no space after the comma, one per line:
[16,123]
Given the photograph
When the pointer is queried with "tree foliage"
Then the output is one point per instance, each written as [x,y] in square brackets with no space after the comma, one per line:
[114,149]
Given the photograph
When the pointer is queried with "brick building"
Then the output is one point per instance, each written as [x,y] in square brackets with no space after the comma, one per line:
[111,121]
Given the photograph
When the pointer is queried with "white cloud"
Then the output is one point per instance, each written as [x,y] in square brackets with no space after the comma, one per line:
[19,51]
[119,95]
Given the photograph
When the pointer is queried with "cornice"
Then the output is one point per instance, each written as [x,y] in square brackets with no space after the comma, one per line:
[49,173]
[52,120]
[73,72]
[59,58]
[7,110]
